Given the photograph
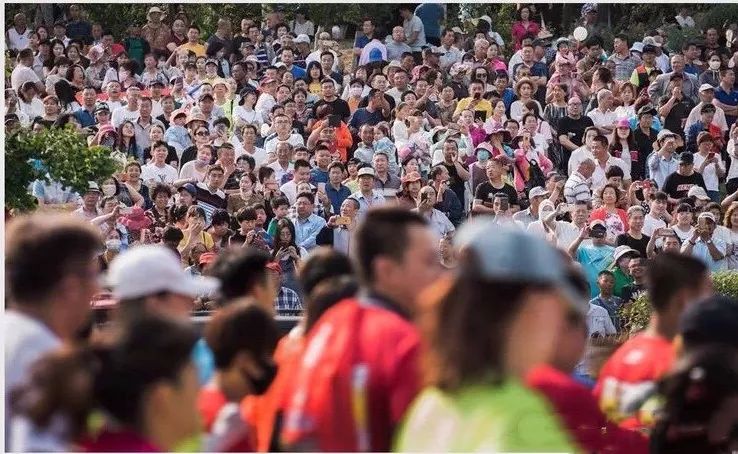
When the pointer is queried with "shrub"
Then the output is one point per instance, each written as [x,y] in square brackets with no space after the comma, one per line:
[637,314]
[59,154]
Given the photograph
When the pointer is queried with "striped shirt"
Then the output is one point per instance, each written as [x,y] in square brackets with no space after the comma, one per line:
[577,189]
[210,201]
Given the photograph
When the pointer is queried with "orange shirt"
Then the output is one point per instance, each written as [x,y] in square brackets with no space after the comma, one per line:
[261,411]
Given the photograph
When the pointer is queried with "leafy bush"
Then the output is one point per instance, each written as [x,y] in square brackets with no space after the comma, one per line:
[59,154]
[637,314]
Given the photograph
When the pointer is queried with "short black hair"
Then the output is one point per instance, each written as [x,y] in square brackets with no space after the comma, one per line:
[246,214]
[280,201]
[614,171]
[384,232]
[307,195]
[220,217]
[670,273]
[240,270]
[241,328]
[300,163]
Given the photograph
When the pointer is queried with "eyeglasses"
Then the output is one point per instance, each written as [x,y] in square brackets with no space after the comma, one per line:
[201,133]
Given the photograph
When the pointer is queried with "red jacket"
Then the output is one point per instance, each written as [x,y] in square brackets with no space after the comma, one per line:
[578,410]
[357,377]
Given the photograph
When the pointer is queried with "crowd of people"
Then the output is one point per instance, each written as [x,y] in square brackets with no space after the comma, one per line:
[581,176]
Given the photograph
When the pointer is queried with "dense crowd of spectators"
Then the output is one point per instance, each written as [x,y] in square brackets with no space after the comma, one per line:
[581,177]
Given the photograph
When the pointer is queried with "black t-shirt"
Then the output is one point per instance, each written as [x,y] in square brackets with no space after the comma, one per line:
[486,193]
[678,113]
[644,145]
[574,129]
[678,185]
[639,245]
[455,183]
[340,107]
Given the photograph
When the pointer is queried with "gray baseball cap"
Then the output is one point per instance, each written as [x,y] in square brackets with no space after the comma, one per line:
[509,254]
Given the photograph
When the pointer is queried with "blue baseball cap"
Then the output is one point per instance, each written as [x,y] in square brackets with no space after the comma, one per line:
[508,254]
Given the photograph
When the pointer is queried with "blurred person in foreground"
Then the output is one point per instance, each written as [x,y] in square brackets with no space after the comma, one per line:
[628,378]
[148,398]
[700,410]
[698,397]
[51,276]
[487,327]
[326,277]
[571,399]
[360,372]
[242,337]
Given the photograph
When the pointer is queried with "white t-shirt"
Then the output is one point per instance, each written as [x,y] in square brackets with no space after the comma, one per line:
[22,74]
[709,174]
[600,118]
[26,340]
[18,41]
[189,171]
[651,224]
[599,321]
[306,28]
[295,140]
[578,156]
[566,232]
[599,179]
[252,117]
[412,25]
[122,114]
[165,174]
[264,104]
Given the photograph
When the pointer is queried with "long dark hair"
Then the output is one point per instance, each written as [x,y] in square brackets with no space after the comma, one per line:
[65,93]
[278,244]
[120,144]
[311,65]
[466,328]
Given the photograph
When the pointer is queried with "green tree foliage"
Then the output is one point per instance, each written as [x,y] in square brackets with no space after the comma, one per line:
[61,154]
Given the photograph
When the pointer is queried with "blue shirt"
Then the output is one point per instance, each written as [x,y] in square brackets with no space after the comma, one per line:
[594,259]
[362,41]
[337,196]
[431,15]
[660,168]
[362,116]
[85,117]
[730,99]
[306,230]
[318,176]
[297,72]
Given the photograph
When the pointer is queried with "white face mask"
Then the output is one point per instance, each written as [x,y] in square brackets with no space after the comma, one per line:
[113,245]
[108,189]
[355,92]
[714,65]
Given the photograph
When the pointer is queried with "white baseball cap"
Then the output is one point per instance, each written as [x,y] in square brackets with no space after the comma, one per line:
[151,269]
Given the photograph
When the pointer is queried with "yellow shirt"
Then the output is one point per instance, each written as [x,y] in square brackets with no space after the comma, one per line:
[198,48]
[482,106]
[205,239]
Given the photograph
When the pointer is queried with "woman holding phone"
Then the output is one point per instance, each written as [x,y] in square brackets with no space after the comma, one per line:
[287,253]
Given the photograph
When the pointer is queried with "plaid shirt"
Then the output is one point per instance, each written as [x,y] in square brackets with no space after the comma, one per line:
[287,302]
